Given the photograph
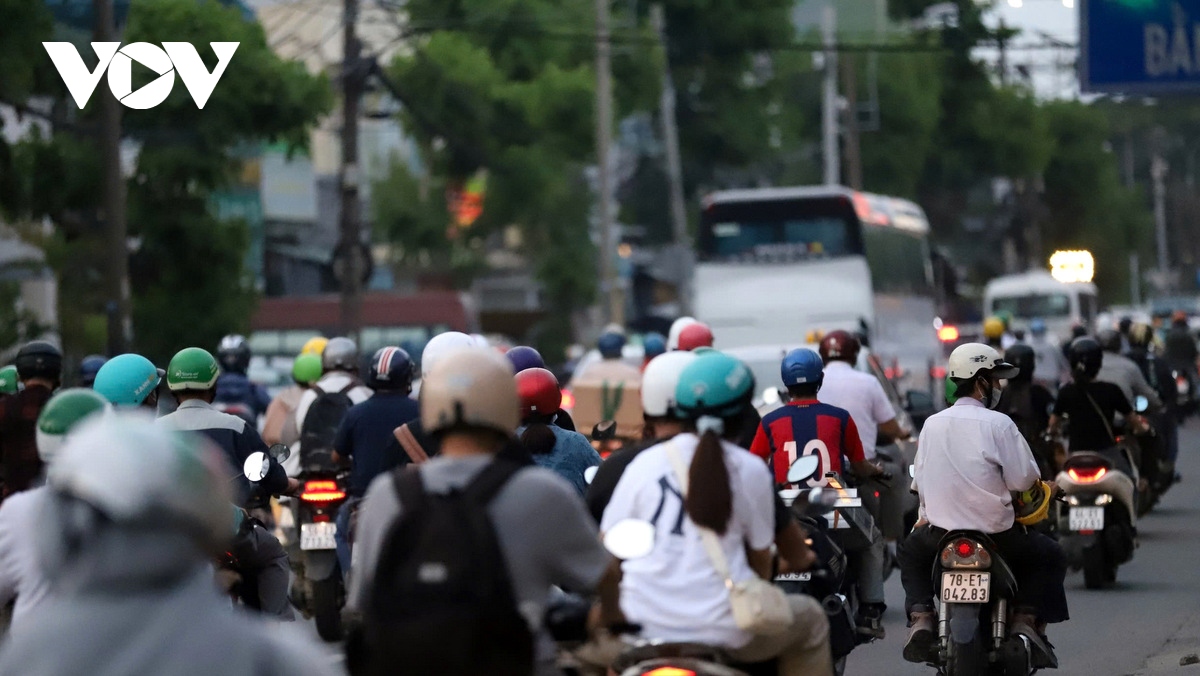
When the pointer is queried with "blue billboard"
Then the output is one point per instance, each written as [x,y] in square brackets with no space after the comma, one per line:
[1147,47]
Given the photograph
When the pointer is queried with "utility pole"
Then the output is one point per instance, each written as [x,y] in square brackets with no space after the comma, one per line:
[1158,171]
[674,164]
[1002,39]
[351,237]
[854,173]
[115,234]
[829,102]
[608,278]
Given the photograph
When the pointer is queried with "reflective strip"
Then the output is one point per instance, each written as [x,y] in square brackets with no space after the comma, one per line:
[381,367]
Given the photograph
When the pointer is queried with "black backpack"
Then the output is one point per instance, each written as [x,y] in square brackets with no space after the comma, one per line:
[442,602]
[320,427]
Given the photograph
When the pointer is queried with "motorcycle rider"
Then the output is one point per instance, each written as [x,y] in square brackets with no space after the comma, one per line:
[20,575]
[675,593]
[1028,404]
[524,357]
[233,387]
[1050,364]
[279,425]
[1122,371]
[971,462]
[1160,376]
[469,404]
[863,397]
[567,453]
[39,367]
[339,366]
[129,381]
[805,423]
[89,367]
[1180,348]
[366,436]
[133,515]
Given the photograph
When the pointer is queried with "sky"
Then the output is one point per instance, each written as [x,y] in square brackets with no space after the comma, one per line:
[1040,21]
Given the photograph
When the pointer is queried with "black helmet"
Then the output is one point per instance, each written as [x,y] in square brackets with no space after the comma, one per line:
[39,359]
[391,369]
[1110,340]
[1085,357]
[1021,356]
[234,354]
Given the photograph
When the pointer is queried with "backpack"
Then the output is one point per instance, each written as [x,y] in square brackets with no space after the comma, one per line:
[442,603]
[320,426]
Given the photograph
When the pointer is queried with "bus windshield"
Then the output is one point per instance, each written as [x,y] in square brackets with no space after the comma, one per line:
[1034,305]
[778,231]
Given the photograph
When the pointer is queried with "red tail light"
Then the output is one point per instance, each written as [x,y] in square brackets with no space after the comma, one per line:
[670,671]
[938,372]
[322,491]
[1086,475]
[964,548]
[568,400]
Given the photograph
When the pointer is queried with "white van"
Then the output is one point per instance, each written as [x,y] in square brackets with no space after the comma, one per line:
[1036,294]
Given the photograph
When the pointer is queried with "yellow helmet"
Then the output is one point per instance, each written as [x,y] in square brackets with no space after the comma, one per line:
[1032,506]
[315,346]
[993,328]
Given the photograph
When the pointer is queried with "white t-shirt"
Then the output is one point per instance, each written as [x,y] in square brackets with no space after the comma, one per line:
[21,572]
[861,394]
[674,592]
[969,458]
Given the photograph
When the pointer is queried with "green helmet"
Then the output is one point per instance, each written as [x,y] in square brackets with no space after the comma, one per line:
[8,380]
[951,391]
[714,384]
[307,368]
[192,368]
[61,413]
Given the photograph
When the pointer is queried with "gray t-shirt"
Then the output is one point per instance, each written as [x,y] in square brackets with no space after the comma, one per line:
[546,534]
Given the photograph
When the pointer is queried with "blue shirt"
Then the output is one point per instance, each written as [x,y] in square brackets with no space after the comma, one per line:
[366,437]
[572,454]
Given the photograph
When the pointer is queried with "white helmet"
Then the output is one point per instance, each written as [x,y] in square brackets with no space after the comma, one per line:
[473,387]
[135,471]
[673,335]
[971,358]
[659,381]
[439,345]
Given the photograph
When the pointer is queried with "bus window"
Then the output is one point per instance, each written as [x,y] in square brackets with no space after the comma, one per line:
[1087,307]
[898,260]
[1034,305]
[785,240]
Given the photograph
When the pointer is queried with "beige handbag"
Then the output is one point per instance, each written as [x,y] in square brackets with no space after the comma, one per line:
[759,607]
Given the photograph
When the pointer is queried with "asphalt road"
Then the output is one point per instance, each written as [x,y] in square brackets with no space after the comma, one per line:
[1142,626]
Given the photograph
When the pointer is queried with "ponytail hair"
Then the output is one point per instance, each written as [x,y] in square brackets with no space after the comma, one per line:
[538,438]
[709,501]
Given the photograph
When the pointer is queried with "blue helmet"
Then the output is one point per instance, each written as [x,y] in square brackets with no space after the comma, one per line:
[654,344]
[714,384]
[610,345]
[1037,326]
[524,357]
[391,369]
[127,379]
[802,366]
[89,367]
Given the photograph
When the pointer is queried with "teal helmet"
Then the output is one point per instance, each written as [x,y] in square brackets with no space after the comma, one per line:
[714,384]
[127,379]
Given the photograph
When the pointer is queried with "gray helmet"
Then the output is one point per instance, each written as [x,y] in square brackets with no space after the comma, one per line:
[340,354]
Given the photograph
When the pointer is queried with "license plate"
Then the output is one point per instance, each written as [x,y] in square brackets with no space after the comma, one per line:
[793,577]
[965,587]
[318,535]
[1086,518]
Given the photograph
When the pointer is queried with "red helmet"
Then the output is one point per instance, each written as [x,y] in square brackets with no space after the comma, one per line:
[539,393]
[695,335]
[839,345]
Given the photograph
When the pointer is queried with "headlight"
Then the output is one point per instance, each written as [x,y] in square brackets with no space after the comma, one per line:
[1103,499]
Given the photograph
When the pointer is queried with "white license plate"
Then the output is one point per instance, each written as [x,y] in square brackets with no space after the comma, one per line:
[793,577]
[965,587]
[318,535]
[1086,518]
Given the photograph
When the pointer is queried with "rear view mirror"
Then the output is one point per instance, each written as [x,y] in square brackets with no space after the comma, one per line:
[279,452]
[1141,404]
[822,498]
[604,430]
[256,466]
[770,396]
[630,539]
[803,469]
[590,473]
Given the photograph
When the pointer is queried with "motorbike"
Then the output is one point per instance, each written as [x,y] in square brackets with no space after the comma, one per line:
[1097,524]
[1185,388]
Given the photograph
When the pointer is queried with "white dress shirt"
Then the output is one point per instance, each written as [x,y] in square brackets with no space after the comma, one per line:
[969,459]
[861,394]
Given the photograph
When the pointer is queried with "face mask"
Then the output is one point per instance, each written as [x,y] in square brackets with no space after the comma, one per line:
[992,394]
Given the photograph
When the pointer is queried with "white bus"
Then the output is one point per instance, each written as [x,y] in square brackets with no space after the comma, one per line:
[778,265]
[1036,294]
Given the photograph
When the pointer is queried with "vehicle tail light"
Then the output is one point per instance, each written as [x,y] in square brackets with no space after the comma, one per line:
[938,372]
[1086,475]
[321,518]
[322,491]
[670,671]
[964,548]
[948,334]
[964,553]
[568,400]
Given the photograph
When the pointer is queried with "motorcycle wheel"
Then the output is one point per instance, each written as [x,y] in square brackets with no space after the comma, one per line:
[967,659]
[326,608]
[1095,568]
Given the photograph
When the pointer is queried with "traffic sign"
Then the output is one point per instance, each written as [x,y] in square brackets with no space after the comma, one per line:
[1139,46]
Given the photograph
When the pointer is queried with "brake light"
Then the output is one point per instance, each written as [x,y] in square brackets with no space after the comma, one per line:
[568,400]
[948,334]
[1086,475]
[964,548]
[322,491]
[938,372]
[670,671]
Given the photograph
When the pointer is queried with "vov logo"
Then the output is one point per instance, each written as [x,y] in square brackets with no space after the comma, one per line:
[172,57]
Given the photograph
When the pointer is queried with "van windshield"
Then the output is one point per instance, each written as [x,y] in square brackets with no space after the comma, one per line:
[1034,305]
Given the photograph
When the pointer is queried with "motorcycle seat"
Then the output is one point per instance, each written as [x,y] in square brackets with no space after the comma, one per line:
[1003,580]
